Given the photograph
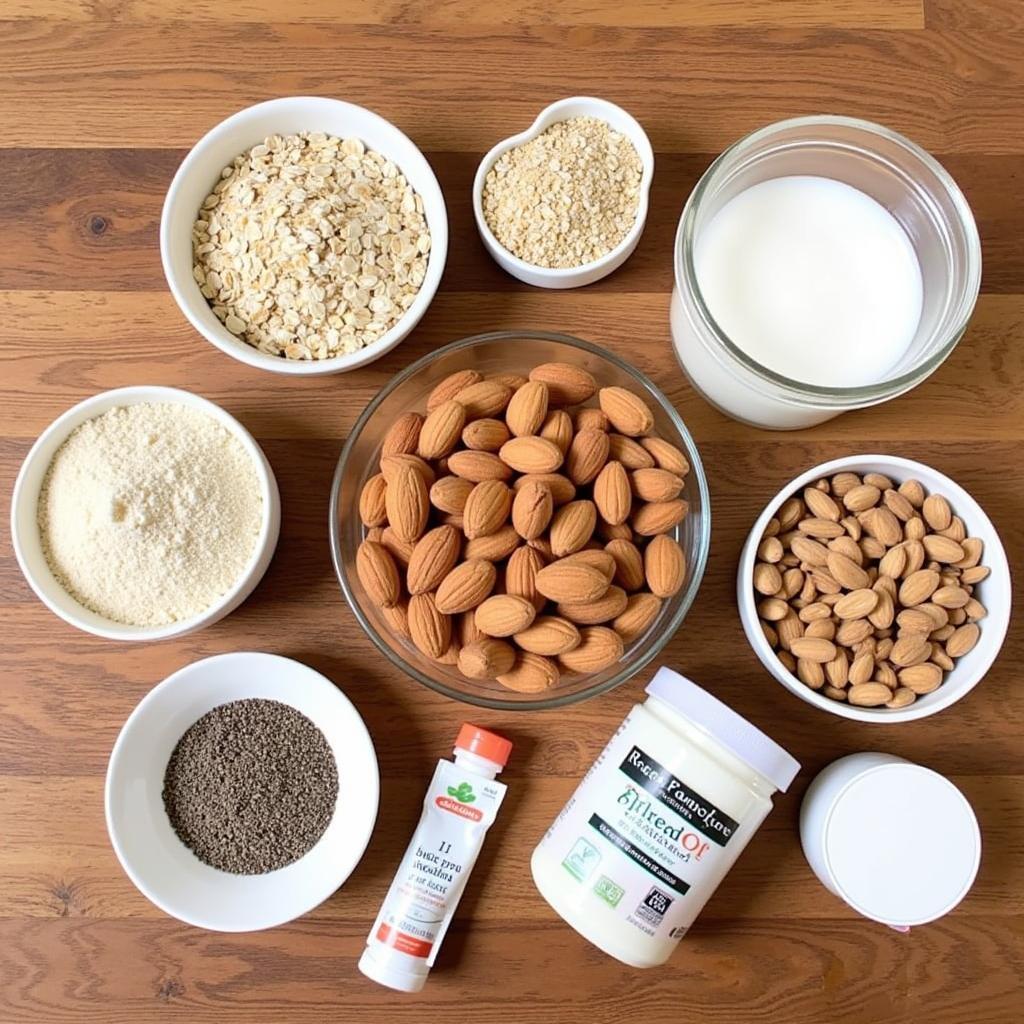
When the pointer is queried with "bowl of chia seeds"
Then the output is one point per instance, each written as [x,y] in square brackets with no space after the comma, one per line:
[241,792]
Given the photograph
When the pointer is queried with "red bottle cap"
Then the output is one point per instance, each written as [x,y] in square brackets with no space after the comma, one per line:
[484,743]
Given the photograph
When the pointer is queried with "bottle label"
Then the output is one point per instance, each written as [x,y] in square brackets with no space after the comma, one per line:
[459,808]
[642,841]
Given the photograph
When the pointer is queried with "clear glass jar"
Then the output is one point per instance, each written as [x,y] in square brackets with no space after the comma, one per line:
[904,179]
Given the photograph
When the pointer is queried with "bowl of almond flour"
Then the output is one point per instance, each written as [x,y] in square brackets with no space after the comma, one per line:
[144,513]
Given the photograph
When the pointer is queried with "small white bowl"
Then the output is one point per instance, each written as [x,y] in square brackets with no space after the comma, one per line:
[200,171]
[25,529]
[568,277]
[994,592]
[162,868]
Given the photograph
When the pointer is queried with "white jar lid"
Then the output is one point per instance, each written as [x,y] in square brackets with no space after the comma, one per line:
[733,731]
[902,844]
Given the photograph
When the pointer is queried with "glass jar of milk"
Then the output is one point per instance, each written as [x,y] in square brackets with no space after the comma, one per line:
[821,264]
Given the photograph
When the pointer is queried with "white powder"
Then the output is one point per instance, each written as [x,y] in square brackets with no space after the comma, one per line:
[149,513]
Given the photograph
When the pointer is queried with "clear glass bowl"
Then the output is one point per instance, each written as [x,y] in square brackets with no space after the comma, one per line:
[502,352]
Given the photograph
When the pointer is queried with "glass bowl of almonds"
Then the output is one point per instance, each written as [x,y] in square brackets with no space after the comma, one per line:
[876,588]
[520,520]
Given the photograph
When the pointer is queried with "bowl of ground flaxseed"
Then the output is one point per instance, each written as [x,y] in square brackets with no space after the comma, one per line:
[564,203]
[241,792]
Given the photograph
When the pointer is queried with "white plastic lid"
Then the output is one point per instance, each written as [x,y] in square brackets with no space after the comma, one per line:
[389,967]
[902,844]
[733,731]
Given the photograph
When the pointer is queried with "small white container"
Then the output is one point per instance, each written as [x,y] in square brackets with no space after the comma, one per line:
[995,592]
[166,871]
[897,841]
[200,170]
[25,528]
[658,821]
[568,277]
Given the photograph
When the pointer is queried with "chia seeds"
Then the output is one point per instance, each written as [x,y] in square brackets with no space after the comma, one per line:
[251,786]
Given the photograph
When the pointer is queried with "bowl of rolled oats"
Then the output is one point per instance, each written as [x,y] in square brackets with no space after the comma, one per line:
[304,235]
[564,203]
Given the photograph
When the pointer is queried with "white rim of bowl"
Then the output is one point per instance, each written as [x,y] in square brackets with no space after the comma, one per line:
[321,680]
[540,124]
[241,350]
[266,541]
[997,622]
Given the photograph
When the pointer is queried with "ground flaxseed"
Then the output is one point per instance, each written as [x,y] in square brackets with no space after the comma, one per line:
[251,786]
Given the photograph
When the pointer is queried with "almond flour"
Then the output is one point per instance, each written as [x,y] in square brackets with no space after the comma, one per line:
[149,513]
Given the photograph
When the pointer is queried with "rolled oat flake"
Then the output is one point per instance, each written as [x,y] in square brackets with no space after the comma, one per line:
[251,786]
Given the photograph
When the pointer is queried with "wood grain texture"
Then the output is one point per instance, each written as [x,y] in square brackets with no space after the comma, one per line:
[98,101]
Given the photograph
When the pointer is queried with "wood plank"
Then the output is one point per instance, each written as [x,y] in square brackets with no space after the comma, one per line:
[891,14]
[155,85]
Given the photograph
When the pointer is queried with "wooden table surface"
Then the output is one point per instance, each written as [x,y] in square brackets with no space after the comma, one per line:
[99,99]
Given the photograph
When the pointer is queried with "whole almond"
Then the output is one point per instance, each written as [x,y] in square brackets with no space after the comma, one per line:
[378,574]
[531,673]
[921,678]
[910,649]
[513,381]
[372,509]
[598,648]
[450,493]
[823,529]
[521,575]
[495,546]
[821,505]
[487,508]
[825,629]
[975,574]
[902,697]
[504,615]
[466,586]
[862,668]
[531,455]
[567,384]
[485,435]
[918,587]
[837,671]
[527,409]
[881,524]
[550,635]
[767,579]
[571,582]
[590,613]
[810,551]
[562,488]
[913,491]
[962,640]
[439,433]
[811,648]
[572,526]
[451,386]
[403,435]
[478,466]
[950,596]
[641,610]
[846,545]
[787,625]
[856,605]
[656,484]
[532,509]
[557,428]
[483,399]
[431,631]
[612,493]
[629,564]
[893,562]
[811,673]
[397,618]
[774,609]
[391,464]
[844,482]
[632,454]
[487,658]
[942,549]
[955,531]
[664,566]
[629,414]
[882,615]
[859,499]
[869,695]
[407,504]
[659,516]
[973,550]
[936,511]
[433,557]
[814,612]
[846,571]
[665,455]
[464,628]
[586,456]
[596,558]
[593,419]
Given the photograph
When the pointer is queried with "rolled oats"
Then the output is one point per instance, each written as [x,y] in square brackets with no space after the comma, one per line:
[310,246]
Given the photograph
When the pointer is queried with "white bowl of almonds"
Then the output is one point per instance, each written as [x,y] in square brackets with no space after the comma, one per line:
[304,235]
[876,588]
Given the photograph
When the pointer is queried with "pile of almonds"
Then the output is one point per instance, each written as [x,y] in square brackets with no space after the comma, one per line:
[866,589]
[517,533]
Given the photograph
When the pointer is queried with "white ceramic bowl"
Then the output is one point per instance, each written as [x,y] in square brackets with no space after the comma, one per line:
[25,530]
[200,170]
[163,869]
[569,277]
[994,592]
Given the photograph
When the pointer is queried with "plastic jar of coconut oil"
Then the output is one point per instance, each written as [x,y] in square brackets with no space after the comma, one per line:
[659,820]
